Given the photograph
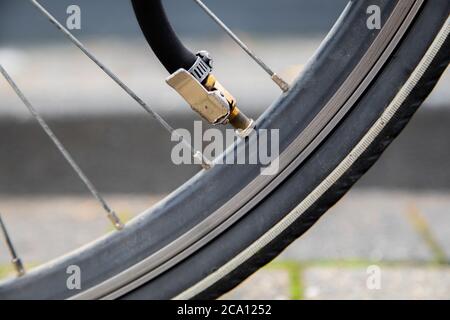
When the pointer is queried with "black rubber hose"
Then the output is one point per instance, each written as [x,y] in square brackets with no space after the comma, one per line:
[160,35]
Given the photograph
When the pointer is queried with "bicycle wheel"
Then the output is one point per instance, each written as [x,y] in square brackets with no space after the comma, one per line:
[355,96]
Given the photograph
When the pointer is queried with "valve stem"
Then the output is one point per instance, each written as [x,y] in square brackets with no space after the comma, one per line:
[206,96]
[236,117]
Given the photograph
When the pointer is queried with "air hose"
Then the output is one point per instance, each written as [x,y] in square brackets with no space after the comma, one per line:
[161,36]
[190,73]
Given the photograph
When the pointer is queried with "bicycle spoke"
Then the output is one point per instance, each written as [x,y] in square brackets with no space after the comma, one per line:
[206,164]
[276,78]
[110,213]
[15,259]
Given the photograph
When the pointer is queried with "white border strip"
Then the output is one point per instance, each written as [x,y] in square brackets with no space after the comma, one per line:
[346,164]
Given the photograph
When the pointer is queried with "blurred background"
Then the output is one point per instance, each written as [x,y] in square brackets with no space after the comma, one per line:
[397,217]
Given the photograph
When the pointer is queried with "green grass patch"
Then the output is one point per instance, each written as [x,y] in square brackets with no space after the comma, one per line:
[295,271]
[124,216]
[5,271]
[420,224]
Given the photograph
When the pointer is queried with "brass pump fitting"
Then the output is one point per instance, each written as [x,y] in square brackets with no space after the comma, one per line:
[208,97]
[236,117]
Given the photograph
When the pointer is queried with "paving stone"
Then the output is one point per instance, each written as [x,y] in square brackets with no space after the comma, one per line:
[263,285]
[436,212]
[368,225]
[396,283]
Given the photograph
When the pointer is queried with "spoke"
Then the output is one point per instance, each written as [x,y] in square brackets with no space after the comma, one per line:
[197,154]
[15,260]
[276,78]
[110,213]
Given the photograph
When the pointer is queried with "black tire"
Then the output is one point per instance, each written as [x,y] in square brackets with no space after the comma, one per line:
[403,81]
